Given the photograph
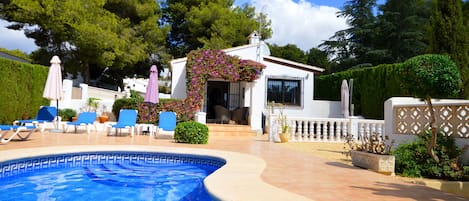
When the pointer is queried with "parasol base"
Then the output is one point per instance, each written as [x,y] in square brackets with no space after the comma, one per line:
[55,130]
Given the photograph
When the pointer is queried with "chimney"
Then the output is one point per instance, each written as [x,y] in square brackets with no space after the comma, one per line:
[254,38]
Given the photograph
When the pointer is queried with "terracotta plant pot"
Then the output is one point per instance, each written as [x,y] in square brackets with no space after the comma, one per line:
[103,119]
[74,118]
[283,137]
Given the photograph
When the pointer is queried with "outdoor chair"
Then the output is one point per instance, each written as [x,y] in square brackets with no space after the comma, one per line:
[166,124]
[16,132]
[222,114]
[240,115]
[127,119]
[45,115]
[84,119]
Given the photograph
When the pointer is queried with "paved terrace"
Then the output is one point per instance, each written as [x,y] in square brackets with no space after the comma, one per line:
[288,167]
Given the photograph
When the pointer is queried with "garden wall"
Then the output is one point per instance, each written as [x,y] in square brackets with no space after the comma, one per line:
[407,117]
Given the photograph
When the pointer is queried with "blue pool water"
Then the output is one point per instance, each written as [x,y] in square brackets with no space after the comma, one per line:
[107,176]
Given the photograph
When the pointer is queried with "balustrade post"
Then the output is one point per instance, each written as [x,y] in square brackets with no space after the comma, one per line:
[337,131]
[325,134]
[379,132]
[293,128]
[354,128]
[330,131]
[273,126]
[373,129]
[300,131]
[345,127]
[317,131]
[311,131]
[367,130]
[361,133]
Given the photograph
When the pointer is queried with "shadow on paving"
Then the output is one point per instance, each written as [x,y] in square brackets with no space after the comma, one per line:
[341,165]
[416,192]
[332,151]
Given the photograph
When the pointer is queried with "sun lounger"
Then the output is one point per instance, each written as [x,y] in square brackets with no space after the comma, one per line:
[166,124]
[16,132]
[45,115]
[127,119]
[84,119]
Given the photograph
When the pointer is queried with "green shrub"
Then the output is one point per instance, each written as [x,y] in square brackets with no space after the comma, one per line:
[413,160]
[191,132]
[67,114]
[127,103]
[164,89]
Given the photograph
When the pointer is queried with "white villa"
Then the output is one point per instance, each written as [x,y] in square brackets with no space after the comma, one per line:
[292,84]
[282,81]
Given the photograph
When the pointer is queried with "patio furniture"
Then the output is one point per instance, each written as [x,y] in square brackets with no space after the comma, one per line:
[166,124]
[240,115]
[127,119]
[16,132]
[143,128]
[45,115]
[84,119]
[222,114]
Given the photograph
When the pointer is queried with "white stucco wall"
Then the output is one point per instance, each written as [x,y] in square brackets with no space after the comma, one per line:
[178,79]
[259,92]
[326,109]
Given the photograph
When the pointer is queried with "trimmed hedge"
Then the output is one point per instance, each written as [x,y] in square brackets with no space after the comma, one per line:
[191,132]
[371,87]
[23,85]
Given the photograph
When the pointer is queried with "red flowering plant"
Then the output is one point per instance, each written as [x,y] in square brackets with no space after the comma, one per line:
[202,65]
[148,112]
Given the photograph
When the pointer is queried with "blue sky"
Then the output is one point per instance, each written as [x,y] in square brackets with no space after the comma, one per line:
[304,23]
[331,3]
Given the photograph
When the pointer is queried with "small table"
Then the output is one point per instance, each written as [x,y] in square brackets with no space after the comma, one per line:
[151,128]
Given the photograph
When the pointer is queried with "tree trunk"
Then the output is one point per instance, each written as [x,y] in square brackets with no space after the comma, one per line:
[432,142]
[86,74]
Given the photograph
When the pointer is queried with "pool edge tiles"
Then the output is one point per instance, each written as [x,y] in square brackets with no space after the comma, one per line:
[238,179]
[22,165]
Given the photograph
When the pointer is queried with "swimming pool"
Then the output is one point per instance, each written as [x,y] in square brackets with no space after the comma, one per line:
[110,175]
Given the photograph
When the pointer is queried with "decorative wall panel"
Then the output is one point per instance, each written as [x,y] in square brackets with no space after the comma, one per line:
[451,120]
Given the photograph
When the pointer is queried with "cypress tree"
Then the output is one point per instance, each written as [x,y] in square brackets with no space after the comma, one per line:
[448,35]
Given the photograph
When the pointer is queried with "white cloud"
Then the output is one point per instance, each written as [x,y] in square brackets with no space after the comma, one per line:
[300,23]
[12,40]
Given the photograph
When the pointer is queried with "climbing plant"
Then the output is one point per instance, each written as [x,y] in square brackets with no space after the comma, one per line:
[205,64]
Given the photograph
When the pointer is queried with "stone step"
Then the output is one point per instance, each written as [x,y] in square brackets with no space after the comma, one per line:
[230,130]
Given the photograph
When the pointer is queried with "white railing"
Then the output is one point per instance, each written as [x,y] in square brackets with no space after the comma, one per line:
[326,129]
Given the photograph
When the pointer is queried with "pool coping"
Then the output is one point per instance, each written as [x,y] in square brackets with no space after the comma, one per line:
[239,179]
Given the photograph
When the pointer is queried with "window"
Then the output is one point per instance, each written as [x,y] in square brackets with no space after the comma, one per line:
[287,92]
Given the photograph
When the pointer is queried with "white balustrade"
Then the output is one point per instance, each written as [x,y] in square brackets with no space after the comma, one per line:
[328,129]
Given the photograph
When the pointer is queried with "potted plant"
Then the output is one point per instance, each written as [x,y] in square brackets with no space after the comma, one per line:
[372,153]
[284,127]
[104,116]
[67,114]
[92,104]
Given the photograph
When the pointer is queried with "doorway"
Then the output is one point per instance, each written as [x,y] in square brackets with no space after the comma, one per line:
[217,94]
